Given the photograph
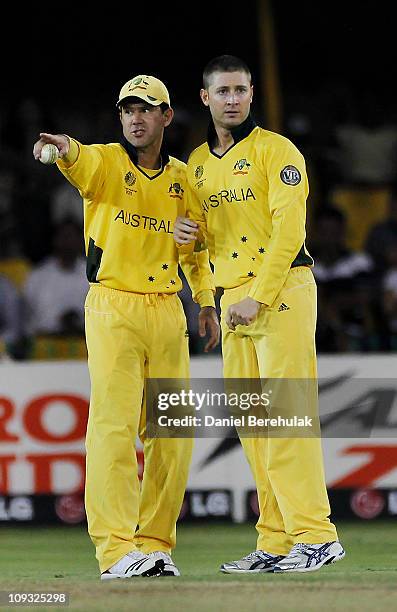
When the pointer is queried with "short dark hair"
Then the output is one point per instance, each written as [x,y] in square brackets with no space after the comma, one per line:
[224,63]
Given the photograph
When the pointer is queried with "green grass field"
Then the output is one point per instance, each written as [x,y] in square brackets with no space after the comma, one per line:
[62,559]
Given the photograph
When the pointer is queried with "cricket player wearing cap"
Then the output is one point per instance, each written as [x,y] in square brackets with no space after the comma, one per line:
[135,328]
[247,190]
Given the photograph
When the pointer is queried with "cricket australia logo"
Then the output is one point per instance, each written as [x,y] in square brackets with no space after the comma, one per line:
[290,175]
[138,83]
[198,173]
[130,179]
[241,166]
[176,191]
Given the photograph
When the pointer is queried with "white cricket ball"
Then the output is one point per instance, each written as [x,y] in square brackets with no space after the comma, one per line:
[49,154]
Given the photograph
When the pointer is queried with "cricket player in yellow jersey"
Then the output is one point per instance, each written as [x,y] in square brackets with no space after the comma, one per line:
[135,328]
[247,202]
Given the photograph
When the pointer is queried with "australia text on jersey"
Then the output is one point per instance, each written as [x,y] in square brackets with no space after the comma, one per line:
[228,195]
[145,222]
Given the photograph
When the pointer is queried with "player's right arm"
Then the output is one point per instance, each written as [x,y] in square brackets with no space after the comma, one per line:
[82,165]
[189,235]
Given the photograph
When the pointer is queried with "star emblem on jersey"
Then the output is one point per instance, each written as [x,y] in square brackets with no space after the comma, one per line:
[151,279]
[165,266]
[290,175]
[130,178]
[172,282]
[243,238]
[175,190]
[261,250]
[283,307]
[241,166]
[250,273]
[234,255]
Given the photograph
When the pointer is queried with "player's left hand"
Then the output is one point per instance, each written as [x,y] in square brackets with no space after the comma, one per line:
[209,324]
[242,313]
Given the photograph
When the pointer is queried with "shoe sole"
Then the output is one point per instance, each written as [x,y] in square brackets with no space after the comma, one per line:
[311,569]
[152,572]
[247,571]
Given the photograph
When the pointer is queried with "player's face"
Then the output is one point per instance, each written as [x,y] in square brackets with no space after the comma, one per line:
[229,97]
[143,124]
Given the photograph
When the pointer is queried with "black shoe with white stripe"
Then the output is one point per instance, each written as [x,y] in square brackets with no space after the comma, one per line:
[254,563]
[310,557]
[135,563]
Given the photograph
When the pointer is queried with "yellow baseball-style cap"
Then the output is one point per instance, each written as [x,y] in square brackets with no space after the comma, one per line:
[148,88]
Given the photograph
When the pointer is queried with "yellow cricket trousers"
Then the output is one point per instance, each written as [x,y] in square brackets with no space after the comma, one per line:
[288,472]
[131,337]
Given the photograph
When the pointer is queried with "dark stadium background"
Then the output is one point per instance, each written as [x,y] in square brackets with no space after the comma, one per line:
[83,53]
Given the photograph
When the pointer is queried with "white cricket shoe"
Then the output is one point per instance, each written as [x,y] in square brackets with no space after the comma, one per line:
[310,557]
[134,563]
[169,569]
[254,563]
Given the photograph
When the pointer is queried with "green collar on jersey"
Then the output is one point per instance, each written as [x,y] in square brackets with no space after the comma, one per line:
[239,132]
[133,154]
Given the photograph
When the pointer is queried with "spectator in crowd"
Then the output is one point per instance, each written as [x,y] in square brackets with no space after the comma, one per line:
[333,261]
[382,238]
[348,315]
[368,144]
[366,153]
[10,317]
[13,264]
[55,290]
[66,202]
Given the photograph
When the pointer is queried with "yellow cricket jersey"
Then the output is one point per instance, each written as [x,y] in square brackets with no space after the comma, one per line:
[128,221]
[250,204]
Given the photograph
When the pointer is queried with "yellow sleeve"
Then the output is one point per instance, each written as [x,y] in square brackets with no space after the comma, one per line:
[196,268]
[288,191]
[194,257]
[84,168]
[195,212]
